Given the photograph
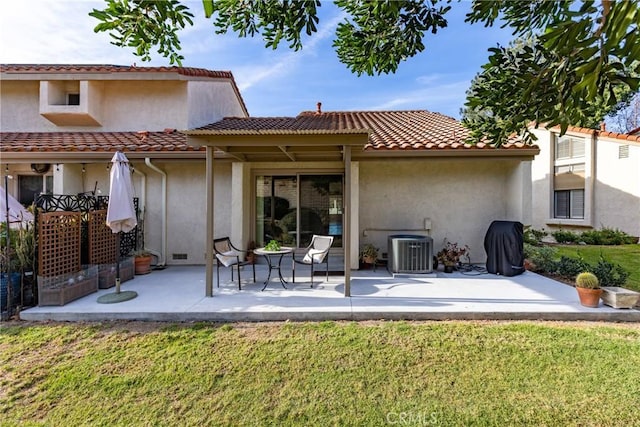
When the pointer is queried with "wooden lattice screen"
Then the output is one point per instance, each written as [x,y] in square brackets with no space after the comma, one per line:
[59,240]
[102,241]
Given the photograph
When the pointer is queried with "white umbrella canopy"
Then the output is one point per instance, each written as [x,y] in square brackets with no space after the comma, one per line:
[121,214]
[121,217]
[17,213]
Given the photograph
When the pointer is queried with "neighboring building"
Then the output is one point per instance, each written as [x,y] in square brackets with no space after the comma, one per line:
[587,178]
[287,178]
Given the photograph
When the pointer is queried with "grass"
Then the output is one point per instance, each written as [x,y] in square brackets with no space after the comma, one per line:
[329,373]
[628,256]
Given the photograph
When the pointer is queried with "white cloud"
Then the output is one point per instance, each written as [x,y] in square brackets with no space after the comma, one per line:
[251,75]
[447,98]
[54,32]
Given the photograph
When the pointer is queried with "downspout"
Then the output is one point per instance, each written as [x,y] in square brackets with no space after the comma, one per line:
[143,192]
[162,254]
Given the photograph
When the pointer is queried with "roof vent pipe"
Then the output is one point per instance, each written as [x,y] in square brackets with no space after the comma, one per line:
[162,258]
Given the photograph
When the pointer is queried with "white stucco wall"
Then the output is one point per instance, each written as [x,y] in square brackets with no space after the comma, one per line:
[617,187]
[210,101]
[126,106]
[460,198]
[542,181]
[186,208]
[612,187]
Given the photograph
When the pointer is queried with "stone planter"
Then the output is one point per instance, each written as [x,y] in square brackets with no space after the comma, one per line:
[617,297]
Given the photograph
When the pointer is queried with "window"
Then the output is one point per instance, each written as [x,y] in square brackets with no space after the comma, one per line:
[569,204]
[568,147]
[569,178]
[291,209]
[29,186]
[73,99]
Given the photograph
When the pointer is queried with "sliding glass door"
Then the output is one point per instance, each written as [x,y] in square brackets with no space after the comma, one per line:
[291,209]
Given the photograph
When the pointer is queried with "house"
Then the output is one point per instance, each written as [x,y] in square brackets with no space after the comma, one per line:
[587,178]
[61,124]
[361,174]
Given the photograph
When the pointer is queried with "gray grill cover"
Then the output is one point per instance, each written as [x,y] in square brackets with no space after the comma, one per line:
[504,246]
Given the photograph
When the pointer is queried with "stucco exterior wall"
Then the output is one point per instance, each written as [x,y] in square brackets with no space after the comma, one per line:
[541,181]
[617,187]
[460,198]
[126,106]
[210,101]
[186,208]
[20,106]
[612,186]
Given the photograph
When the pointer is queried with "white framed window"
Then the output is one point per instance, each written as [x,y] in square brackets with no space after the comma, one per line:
[568,204]
[569,178]
[569,147]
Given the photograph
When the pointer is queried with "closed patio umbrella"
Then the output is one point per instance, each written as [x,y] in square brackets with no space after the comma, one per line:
[12,211]
[121,217]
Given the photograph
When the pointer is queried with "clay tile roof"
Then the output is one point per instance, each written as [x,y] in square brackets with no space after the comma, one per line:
[107,68]
[603,133]
[93,142]
[388,130]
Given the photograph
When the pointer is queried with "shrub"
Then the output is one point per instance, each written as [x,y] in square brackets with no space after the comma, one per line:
[587,280]
[542,257]
[609,274]
[570,267]
[533,236]
[607,236]
[566,236]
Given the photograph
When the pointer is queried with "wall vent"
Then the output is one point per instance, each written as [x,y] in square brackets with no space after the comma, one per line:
[410,254]
[179,256]
[623,151]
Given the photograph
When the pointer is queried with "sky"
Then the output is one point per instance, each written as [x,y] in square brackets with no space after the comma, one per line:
[272,83]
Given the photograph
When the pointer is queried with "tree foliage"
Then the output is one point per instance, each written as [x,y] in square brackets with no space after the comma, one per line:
[584,50]
[580,66]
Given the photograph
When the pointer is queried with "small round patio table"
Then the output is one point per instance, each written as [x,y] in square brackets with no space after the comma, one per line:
[271,257]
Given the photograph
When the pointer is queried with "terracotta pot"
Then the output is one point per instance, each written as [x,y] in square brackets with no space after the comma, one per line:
[142,264]
[589,297]
[368,260]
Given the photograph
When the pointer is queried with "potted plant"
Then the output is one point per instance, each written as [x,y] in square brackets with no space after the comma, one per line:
[142,261]
[369,254]
[450,255]
[589,291]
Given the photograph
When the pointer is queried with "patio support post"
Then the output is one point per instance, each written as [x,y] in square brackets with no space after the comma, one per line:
[346,221]
[209,233]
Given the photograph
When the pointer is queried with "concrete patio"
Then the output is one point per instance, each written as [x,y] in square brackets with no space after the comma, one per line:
[177,294]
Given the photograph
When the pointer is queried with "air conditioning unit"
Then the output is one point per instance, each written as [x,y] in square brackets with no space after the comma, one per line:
[410,254]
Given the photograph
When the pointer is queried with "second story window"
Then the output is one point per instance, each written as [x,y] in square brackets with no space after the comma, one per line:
[73,99]
[569,178]
[568,147]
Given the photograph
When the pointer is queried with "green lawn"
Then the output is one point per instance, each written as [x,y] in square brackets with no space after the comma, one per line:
[329,373]
[628,256]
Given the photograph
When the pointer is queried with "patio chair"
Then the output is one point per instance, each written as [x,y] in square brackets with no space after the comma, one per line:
[316,253]
[230,256]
